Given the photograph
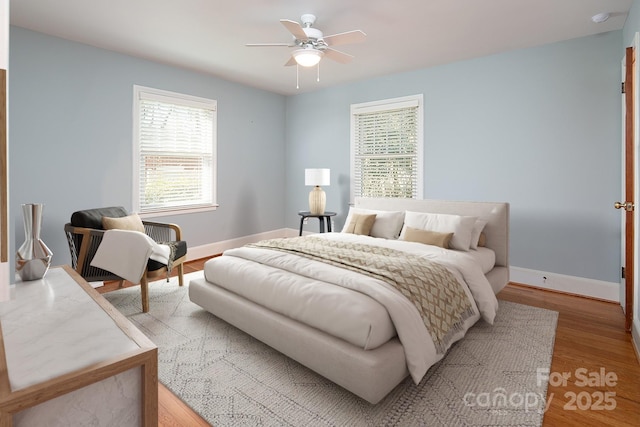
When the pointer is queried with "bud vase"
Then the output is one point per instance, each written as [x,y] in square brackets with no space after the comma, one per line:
[34,257]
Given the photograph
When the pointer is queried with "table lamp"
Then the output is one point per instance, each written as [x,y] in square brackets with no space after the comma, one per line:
[317,197]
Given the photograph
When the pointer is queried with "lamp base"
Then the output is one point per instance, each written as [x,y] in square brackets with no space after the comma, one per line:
[317,200]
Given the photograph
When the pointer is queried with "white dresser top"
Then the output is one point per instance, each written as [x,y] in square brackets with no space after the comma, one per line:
[52,327]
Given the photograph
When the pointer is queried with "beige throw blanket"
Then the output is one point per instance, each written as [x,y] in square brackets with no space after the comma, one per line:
[434,291]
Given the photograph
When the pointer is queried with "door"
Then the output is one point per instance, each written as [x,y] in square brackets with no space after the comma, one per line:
[627,206]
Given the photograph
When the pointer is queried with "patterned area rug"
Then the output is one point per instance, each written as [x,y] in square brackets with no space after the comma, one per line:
[232,379]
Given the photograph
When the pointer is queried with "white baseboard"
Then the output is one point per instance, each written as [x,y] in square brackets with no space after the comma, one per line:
[592,288]
[216,248]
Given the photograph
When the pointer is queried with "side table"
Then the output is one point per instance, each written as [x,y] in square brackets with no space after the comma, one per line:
[326,216]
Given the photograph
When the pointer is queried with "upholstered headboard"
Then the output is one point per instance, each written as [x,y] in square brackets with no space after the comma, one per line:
[496,214]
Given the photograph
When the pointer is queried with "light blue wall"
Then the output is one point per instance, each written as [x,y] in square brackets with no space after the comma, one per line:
[538,128]
[71,128]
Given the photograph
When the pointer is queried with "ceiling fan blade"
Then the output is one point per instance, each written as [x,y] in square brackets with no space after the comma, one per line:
[294,28]
[355,36]
[338,56]
[291,61]
[269,44]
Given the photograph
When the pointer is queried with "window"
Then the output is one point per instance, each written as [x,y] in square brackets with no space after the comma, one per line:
[174,163]
[386,148]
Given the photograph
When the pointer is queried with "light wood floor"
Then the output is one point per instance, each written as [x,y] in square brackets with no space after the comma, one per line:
[590,336]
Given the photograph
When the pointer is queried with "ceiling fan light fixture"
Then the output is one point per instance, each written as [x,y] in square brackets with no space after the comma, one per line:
[307,57]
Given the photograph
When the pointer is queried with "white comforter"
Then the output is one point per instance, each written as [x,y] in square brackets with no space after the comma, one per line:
[418,345]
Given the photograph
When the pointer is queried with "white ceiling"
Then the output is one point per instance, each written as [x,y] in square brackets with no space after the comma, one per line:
[210,35]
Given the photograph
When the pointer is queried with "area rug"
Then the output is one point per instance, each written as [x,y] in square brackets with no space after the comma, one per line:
[494,376]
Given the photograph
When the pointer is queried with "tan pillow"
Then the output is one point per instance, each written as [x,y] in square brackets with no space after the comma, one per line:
[482,240]
[361,224]
[131,222]
[428,237]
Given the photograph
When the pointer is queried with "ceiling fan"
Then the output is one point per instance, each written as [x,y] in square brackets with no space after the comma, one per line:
[312,44]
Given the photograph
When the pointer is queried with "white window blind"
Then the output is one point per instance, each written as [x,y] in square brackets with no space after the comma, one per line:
[175,160]
[386,141]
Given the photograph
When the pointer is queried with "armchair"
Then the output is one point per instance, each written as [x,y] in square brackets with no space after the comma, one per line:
[84,234]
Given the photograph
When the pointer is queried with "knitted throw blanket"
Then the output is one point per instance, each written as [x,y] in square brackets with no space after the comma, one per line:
[434,291]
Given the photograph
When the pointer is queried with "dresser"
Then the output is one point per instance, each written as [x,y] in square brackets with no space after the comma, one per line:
[67,357]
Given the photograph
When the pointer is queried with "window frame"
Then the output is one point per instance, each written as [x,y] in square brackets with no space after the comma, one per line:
[383,106]
[140,92]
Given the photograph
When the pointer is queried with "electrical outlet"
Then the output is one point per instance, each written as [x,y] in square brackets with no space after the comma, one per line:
[305,221]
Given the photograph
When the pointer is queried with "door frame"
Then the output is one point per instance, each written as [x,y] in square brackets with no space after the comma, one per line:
[634,306]
[5,278]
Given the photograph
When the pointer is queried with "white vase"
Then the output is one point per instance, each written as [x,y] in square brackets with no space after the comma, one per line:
[34,257]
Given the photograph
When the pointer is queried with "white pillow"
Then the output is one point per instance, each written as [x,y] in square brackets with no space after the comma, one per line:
[387,225]
[460,226]
[475,234]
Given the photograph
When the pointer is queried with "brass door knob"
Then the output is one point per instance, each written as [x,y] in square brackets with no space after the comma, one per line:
[627,206]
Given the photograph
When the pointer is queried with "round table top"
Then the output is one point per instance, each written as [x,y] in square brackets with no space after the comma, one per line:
[307,213]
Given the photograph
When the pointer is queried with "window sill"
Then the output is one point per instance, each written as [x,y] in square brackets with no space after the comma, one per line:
[171,212]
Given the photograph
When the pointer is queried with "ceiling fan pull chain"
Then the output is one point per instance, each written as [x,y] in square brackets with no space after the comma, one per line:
[297,76]
[318,77]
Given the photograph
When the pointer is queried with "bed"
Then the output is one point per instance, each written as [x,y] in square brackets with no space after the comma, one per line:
[357,328]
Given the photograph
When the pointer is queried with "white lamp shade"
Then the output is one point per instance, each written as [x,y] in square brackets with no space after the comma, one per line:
[317,177]
[307,57]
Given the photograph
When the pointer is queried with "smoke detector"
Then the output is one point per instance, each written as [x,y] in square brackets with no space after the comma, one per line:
[600,18]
